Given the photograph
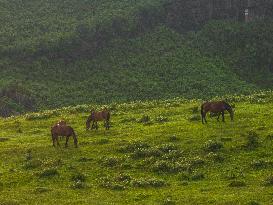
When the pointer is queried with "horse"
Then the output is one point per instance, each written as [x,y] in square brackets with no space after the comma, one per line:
[217,108]
[62,129]
[94,117]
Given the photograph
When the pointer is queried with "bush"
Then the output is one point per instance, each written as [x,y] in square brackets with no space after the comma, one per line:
[142,153]
[168,202]
[161,119]
[216,157]
[213,146]
[109,184]
[144,119]
[269,181]
[39,190]
[78,185]
[237,184]
[110,161]
[195,117]
[103,141]
[252,140]
[165,167]
[174,138]
[167,147]
[78,177]
[49,173]
[197,176]
[143,183]
[261,164]
[33,164]
[134,146]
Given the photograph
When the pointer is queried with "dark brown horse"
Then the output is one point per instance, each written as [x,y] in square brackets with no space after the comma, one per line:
[61,129]
[94,117]
[218,108]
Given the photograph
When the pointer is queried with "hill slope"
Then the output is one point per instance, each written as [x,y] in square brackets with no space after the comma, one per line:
[164,160]
[69,53]
[153,66]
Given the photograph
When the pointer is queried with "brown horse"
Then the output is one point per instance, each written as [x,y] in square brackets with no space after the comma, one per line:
[217,108]
[61,129]
[94,117]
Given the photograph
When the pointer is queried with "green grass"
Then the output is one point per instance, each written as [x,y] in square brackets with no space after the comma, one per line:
[172,161]
[156,65]
[78,52]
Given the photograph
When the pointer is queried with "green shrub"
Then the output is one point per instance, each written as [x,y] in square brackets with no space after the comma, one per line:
[213,146]
[143,183]
[33,164]
[268,181]
[161,119]
[134,146]
[261,164]
[49,173]
[195,117]
[173,138]
[252,140]
[110,161]
[237,184]
[78,177]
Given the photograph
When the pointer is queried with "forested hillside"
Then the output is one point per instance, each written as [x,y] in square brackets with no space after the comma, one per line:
[67,53]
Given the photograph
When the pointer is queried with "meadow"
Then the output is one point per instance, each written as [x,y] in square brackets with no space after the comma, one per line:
[156,152]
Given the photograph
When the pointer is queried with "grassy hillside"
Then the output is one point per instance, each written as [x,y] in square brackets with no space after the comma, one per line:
[67,53]
[153,66]
[246,48]
[171,158]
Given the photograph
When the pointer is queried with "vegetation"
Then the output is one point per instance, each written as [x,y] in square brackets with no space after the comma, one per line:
[74,52]
[161,162]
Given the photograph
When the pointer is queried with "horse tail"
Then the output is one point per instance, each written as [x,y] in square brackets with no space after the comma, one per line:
[74,137]
[108,116]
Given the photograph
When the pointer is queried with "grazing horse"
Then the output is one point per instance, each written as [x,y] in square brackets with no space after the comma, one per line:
[217,108]
[61,129]
[103,115]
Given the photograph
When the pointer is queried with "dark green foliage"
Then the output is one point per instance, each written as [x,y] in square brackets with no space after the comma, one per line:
[174,138]
[213,146]
[253,203]
[237,183]
[145,183]
[161,119]
[261,164]
[252,140]
[33,164]
[134,146]
[3,139]
[195,117]
[51,172]
[40,190]
[110,161]
[268,181]
[169,201]
[197,176]
[145,119]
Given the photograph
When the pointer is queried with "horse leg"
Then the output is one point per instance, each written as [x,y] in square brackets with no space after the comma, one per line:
[218,117]
[93,125]
[66,142]
[97,125]
[108,124]
[223,116]
[75,140]
[57,139]
[53,140]
[204,117]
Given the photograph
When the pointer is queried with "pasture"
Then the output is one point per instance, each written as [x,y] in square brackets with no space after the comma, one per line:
[155,152]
